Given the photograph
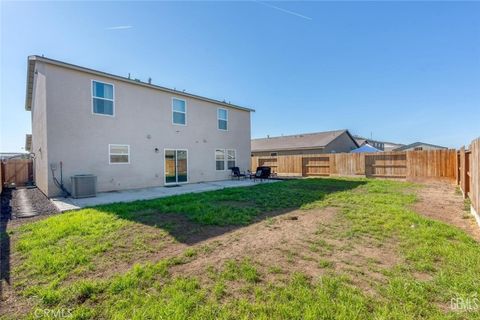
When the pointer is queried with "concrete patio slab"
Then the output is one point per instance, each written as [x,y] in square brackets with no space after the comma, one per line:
[64,204]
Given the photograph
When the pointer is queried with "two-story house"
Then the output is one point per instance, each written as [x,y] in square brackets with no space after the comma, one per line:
[130,134]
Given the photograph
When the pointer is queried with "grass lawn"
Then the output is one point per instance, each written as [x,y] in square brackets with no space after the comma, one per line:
[372,257]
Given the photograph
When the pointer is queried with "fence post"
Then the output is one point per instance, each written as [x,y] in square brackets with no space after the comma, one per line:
[457,167]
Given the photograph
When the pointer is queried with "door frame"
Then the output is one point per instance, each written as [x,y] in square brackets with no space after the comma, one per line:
[176,171]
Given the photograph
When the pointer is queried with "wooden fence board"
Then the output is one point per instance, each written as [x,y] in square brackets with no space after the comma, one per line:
[1,177]
[464,156]
[386,165]
[316,166]
[347,164]
[434,164]
[17,171]
[475,175]
[437,164]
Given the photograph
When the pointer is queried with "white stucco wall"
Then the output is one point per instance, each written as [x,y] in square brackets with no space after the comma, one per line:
[80,139]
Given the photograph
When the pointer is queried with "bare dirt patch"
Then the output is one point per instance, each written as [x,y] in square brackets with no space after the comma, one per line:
[311,242]
[440,201]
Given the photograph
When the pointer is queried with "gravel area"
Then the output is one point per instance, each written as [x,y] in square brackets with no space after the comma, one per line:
[25,202]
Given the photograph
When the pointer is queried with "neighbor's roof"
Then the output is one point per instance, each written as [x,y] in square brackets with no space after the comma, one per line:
[416,144]
[360,140]
[365,148]
[317,140]
[34,58]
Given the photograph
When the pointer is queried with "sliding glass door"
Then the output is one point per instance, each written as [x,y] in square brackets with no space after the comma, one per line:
[176,162]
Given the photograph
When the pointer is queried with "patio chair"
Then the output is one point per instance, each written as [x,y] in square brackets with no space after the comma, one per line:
[237,174]
[262,173]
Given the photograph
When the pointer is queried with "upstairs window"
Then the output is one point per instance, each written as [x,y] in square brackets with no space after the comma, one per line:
[102,98]
[179,111]
[119,153]
[222,116]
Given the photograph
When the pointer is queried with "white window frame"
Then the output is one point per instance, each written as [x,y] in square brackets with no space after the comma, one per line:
[234,158]
[113,100]
[118,154]
[224,158]
[218,118]
[173,111]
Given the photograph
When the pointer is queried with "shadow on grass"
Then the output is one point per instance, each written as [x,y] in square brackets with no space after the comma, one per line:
[192,218]
[5,216]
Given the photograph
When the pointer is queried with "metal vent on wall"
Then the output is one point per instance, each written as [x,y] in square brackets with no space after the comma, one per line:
[84,185]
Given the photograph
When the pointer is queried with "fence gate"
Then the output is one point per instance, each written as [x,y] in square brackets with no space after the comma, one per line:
[386,165]
[17,171]
[315,166]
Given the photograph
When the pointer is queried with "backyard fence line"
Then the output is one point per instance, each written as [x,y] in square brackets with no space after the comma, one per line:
[16,171]
[469,175]
[410,165]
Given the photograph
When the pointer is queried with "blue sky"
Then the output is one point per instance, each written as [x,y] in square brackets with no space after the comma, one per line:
[401,71]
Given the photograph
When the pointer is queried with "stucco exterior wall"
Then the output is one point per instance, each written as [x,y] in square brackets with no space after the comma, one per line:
[142,120]
[39,128]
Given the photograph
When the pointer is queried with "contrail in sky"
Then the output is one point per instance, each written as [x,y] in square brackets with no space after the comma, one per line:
[284,10]
[119,28]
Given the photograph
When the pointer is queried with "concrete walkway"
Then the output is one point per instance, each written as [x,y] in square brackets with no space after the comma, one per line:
[24,205]
[64,204]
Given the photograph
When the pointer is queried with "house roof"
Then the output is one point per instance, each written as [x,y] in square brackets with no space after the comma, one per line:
[317,140]
[416,144]
[31,69]
[365,148]
[360,140]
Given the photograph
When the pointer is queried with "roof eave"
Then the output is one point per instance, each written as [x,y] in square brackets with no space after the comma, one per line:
[124,79]
[29,84]
[349,135]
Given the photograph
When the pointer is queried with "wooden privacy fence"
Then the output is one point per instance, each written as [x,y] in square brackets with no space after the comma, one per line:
[468,177]
[16,171]
[412,165]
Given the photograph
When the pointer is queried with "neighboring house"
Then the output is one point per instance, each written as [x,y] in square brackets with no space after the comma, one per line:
[416,146]
[374,143]
[307,143]
[390,146]
[365,148]
[130,134]
[380,145]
